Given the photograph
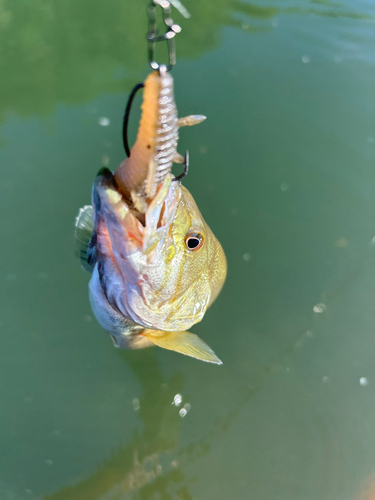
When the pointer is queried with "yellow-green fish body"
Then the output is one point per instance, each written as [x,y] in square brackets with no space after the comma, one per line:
[156,264]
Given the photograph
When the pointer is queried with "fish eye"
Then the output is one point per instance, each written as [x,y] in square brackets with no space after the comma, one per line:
[193,240]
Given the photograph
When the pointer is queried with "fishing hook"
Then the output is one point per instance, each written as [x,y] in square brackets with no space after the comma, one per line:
[153,34]
[126,117]
[186,167]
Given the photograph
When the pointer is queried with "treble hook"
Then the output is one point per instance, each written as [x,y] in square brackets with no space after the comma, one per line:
[153,34]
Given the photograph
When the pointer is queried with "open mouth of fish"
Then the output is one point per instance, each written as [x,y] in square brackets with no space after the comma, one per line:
[138,230]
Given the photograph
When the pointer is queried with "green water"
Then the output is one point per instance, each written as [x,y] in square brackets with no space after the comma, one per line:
[283,171]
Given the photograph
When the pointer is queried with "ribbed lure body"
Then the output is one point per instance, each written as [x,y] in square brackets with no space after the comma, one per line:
[155,149]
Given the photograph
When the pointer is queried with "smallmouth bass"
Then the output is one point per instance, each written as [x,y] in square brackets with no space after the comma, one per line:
[156,265]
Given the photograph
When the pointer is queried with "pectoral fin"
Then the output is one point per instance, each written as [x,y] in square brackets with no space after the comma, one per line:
[184,342]
[83,233]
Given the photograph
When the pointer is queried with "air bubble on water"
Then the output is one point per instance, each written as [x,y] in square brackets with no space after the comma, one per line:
[174,464]
[275,22]
[184,410]
[319,308]
[105,160]
[176,28]
[177,400]
[87,318]
[341,243]
[49,462]
[305,59]
[325,379]
[363,381]
[42,276]
[245,26]
[104,121]
[309,334]
[284,186]
[371,139]
[136,404]
[246,257]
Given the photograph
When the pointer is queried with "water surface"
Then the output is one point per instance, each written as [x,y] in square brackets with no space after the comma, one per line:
[283,171]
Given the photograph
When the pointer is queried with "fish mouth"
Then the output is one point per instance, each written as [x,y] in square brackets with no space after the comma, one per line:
[131,254]
[144,231]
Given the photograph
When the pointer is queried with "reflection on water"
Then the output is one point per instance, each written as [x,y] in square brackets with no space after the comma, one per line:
[149,455]
[368,489]
[151,464]
[70,52]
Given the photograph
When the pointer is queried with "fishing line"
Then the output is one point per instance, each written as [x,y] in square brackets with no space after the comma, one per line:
[153,37]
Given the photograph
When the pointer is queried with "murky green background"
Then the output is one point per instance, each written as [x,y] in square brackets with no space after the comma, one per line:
[284,172]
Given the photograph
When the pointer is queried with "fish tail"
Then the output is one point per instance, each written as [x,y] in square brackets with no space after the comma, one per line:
[183,342]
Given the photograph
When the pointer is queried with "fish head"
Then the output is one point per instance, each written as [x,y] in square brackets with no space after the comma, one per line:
[199,257]
[161,271]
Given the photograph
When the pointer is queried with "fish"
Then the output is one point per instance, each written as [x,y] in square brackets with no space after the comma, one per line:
[156,265]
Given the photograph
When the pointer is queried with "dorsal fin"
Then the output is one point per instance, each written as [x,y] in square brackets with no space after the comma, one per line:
[84,230]
[184,342]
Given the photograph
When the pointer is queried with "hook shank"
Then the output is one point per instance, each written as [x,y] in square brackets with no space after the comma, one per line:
[126,117]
